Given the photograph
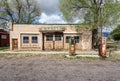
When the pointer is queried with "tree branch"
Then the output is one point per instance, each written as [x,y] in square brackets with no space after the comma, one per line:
[4,19]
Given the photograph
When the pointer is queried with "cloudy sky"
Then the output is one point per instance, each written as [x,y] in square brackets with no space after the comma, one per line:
[50,12]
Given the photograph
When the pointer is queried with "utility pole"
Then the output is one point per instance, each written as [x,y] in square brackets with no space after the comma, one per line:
[102,46]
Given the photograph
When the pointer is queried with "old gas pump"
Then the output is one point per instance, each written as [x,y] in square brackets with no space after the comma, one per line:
[72,43]
[102,47]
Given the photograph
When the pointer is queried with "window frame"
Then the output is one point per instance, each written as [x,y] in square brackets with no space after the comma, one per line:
[3,36]
[67,40]
[77,40]
[24,39]
[49,37]
[34,41]
[58,37]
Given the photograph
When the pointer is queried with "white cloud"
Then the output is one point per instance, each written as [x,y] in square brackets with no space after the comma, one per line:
[51,19]
[78,21]
[49,6]
[51,13]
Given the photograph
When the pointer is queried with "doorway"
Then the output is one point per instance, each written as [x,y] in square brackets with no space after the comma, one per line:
[53,41]
[14,44]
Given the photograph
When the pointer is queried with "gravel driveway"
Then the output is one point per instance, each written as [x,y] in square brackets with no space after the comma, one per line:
[46,68]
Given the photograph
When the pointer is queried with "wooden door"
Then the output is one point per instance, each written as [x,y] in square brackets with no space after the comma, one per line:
[58,43]
[53,41]
[48,42]
[14,44]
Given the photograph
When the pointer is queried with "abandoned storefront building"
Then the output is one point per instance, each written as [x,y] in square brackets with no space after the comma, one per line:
[49,37]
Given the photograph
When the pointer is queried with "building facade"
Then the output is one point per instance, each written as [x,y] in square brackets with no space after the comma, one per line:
[4,34]
[48,37]
[4,38]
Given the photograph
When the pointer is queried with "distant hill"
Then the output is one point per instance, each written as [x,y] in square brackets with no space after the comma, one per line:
[106,34]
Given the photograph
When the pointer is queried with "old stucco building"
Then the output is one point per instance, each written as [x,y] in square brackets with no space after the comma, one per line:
[48,37]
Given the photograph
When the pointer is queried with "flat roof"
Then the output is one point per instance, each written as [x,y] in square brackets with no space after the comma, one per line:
[50,24]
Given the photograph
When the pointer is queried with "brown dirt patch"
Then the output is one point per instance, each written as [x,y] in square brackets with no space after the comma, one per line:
[57,68]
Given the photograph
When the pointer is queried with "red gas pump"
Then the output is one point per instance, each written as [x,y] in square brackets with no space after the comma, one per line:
[72,46]
[102,47]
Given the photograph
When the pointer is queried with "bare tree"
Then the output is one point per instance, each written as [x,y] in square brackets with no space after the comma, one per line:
[20,11]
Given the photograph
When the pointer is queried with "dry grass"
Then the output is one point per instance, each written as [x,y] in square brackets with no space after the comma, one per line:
[58,57]
[47,56]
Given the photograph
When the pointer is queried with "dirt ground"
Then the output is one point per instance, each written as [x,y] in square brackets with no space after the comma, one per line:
[50,68]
